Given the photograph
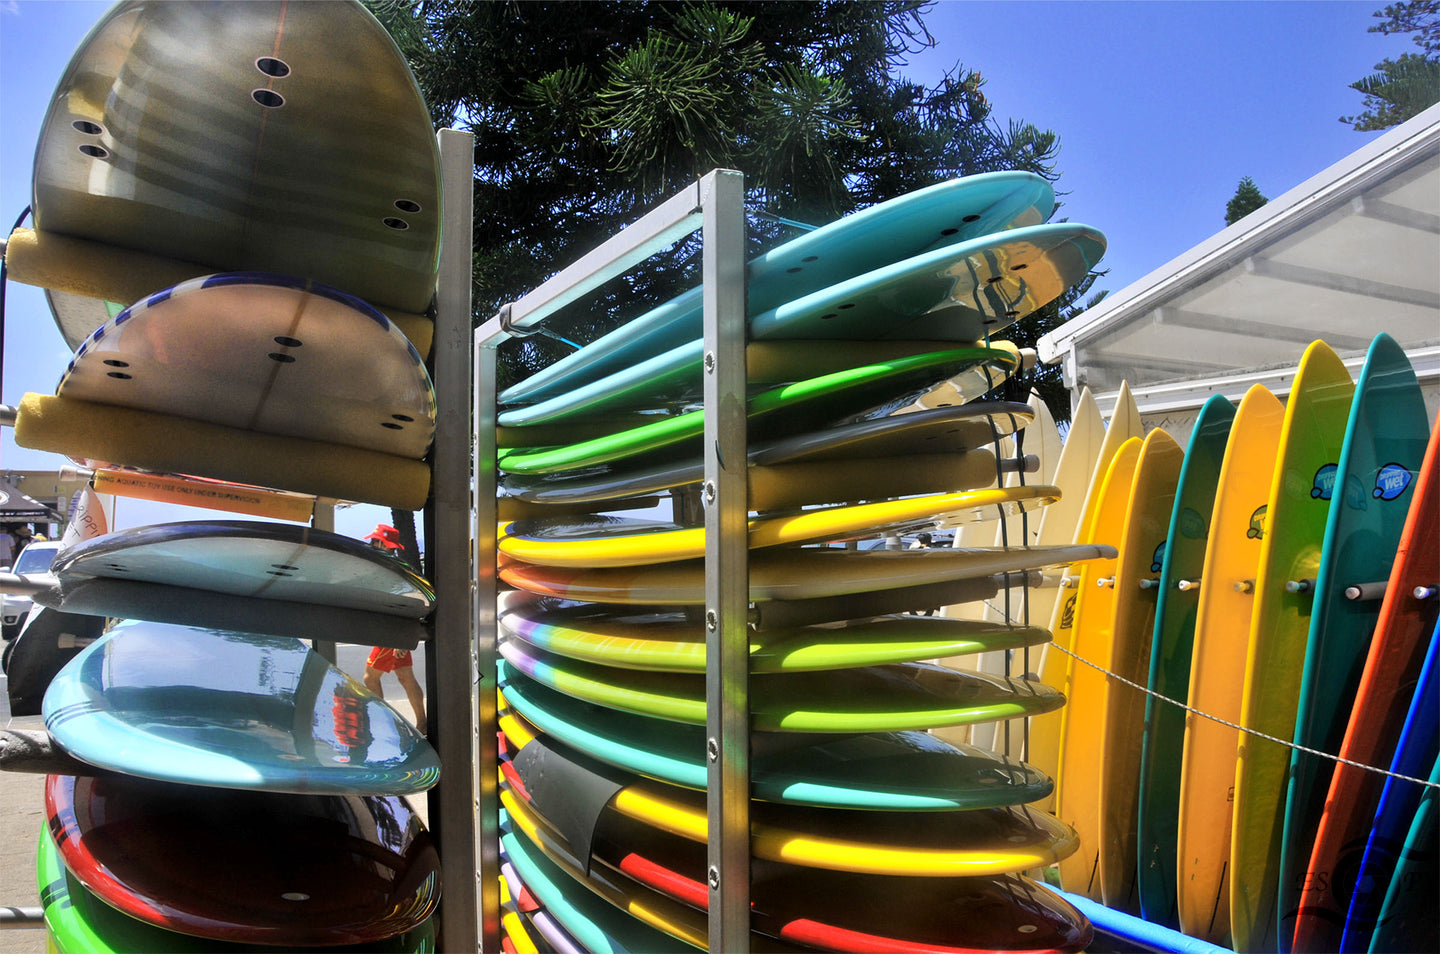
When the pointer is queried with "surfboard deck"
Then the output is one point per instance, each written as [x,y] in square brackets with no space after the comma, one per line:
[254,559]
[668,640]
[909,770]
[778,412]
[207,707]
[306,870]
[806,573]
[127,154]
[1392,670]
[1299,505]
[299,359]
[77,921]
[1172,646]
[1217,666]
[606,541]
[871,699]
[947,432]
[1383,447]
[932,217]
[979,842]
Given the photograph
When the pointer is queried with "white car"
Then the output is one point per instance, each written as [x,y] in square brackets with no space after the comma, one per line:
[35,558]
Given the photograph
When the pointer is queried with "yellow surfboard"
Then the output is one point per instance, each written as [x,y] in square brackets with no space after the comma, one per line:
[617,542]
[1077,788]
[1142,551]
[1217,667]
[1310,439]
[1043,749]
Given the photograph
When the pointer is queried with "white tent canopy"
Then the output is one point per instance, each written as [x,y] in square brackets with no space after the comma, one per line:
[1350,252]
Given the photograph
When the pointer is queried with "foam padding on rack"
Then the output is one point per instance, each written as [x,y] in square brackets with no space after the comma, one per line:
[134,438]
[111,273]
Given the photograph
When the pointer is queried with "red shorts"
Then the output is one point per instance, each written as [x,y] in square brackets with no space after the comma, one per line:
[388,660]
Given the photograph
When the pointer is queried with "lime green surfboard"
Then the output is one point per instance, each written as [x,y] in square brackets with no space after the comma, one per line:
[1310,442]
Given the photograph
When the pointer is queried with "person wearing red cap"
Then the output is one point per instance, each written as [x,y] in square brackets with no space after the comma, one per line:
[383,659]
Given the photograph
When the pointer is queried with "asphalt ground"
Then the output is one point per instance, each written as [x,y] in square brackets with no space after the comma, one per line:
[22,806]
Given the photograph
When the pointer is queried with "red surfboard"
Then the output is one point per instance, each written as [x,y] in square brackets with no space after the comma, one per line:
[248,867]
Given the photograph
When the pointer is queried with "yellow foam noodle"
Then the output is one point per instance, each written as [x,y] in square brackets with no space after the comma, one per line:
[163,442]
[112,273]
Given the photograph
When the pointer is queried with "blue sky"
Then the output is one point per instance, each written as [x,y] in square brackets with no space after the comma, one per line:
[1161,108]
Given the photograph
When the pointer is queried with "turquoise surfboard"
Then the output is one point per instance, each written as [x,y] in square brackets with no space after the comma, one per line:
[928,218]
[1175,613]
[1385,441]
[778,412]
[902,771]
[209,707]
[959,293]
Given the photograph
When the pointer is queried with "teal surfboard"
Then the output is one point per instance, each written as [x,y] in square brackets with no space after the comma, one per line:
[782,411]
[1175,613]
[209,707]
[668,640]
[1384,444]
[928,218]
[960,293]
[1407,919]
[77,922]
[902,771]
[870,699]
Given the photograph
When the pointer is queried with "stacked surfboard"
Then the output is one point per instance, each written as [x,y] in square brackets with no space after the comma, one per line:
[869,350]
[1278,579]
[242,268]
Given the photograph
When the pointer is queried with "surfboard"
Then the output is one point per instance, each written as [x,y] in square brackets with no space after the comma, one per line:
[1407,917]
[1299,505]
[306,869]
[978,842]
[777,412]
[1171,649]
[1392,669]
[298,358]
[605,541]
[884,698]
[900,228]
[1383,446]
[961,293]
[805,573]
[839,911]
[76,921]
[260,560]
[208,707]
[130,174]
[1043,746]
[1132,626]
[950,435]
[1415,752]
[543,922]
[1217,666]
[668,640]
[909,771]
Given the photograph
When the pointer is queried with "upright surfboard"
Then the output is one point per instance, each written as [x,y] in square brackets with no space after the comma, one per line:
[1217,667]
[1383,447]
[1177,601]
[1299,505]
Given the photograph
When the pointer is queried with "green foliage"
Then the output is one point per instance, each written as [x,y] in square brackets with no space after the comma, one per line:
[1403,87]
[1247,199]
[586,115]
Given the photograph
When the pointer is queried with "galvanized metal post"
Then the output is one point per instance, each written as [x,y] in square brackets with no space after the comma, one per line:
[451,723]
[725,496]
